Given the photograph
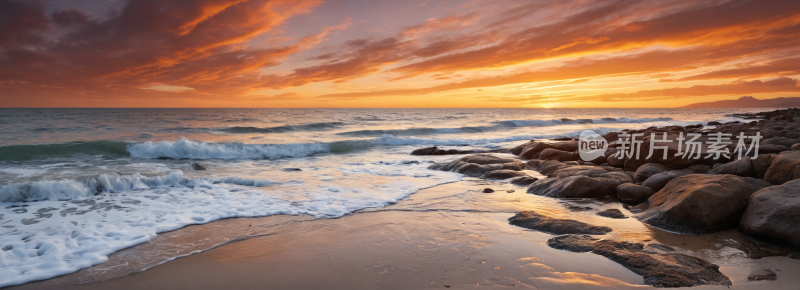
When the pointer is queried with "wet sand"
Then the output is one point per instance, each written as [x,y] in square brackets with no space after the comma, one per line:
[449,236]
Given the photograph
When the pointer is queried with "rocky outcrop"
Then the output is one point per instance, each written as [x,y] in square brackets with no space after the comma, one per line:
[699,204]
[535,221]
[743,167]
[629,192]
[659,270]
[775,212]
[783,167]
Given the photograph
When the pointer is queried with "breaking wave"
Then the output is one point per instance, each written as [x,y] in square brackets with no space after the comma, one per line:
[67,189]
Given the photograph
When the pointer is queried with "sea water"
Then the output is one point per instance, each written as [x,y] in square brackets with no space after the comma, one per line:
[79,184]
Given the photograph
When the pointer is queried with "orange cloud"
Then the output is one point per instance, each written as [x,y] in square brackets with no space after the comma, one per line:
[737,88]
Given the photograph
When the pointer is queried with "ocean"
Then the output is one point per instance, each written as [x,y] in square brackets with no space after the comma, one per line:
[79,184]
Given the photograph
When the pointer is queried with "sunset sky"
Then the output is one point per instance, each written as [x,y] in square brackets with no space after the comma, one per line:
[411,53]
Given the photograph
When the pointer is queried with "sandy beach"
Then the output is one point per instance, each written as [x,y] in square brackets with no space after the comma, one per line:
[448,236]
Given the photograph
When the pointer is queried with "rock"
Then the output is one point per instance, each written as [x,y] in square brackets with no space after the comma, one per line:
[782,141]
[477,165]
[570,187]
[436,151]
[795,146]
[630,192]
[612,213]
[569,146]
[503,174]
[658,181]
[743,167]
[533,150]
[659,270]
[699,168]
[523,180]
[517,150]
[573,243]
[769,275]
[700,204]
[783,167]
[771,148]
[555,154]
[761,164]
[649,169]
[488,190]
[487,159]
[424,151]
[714,123]
[291,169]
[775,212]
[535,221]
[199,166]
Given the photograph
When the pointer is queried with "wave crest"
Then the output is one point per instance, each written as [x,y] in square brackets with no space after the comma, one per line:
[185,148]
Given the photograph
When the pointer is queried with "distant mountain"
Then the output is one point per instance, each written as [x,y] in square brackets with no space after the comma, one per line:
[750,102]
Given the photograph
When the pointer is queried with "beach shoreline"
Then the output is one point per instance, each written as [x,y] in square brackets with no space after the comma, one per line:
[449,235]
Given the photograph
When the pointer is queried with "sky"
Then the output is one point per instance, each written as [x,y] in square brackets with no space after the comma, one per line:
[388,53]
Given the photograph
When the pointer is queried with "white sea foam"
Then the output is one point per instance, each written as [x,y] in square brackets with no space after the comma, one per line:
[53,237]
[185,148]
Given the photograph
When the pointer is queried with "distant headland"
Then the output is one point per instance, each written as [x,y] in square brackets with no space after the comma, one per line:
[750,102]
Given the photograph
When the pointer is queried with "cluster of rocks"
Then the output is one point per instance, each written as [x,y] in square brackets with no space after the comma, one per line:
[685,195]
[758,194]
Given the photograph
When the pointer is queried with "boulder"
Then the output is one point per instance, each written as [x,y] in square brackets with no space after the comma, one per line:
[486,159]
[700,204]
[560,155]
[742,167]
[659,270]
[535,221]
[775,212]
[771,148]
[545,166]
[477,165]
[571,187]
[783,167]
[645,171]
[523,180]
[517,150]
[783,141]
[534,149]
[569,146]
[629,192]
[503,174]
[612,213]
[424,151]
[714,123]
[761,164]
[658,181]
[795,146]
[199,166]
